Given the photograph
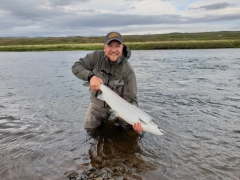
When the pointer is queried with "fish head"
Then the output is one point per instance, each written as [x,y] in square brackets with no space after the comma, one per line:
[149,124]
[156,129]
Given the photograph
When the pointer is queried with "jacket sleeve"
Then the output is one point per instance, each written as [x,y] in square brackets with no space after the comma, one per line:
[130,89]
[84,66]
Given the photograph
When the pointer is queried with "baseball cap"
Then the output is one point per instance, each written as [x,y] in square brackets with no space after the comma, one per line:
[113,36]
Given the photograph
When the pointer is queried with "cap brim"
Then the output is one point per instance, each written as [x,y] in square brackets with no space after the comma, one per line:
[113,39]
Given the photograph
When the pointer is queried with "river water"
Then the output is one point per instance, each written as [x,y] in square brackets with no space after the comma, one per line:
[193,96]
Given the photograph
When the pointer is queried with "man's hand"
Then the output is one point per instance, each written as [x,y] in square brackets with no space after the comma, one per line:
[95,83]
[138,127]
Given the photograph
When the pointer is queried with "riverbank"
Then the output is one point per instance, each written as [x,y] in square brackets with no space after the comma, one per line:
[208,40]
[204,44]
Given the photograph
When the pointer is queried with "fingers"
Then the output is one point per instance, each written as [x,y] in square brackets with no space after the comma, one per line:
[138,127]
[95,83]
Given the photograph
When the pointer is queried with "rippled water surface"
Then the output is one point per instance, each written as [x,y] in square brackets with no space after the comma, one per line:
[192,94]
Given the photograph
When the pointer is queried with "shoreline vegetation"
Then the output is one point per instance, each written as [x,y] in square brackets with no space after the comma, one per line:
[206,40]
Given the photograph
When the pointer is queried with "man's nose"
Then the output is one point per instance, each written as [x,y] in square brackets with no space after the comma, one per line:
[114,48]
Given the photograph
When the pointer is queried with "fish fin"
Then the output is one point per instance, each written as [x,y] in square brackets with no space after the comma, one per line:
[113,112]
[142,121]
[113,115]
[100,96]
[86,84]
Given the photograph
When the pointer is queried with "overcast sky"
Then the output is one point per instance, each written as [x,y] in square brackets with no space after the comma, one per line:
[44,18]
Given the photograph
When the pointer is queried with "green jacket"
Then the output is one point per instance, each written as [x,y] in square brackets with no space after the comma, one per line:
[119,77]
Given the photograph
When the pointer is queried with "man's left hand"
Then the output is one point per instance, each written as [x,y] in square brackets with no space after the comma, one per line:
[138,127]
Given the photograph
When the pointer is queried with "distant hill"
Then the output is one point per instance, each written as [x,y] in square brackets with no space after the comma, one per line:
[222,35]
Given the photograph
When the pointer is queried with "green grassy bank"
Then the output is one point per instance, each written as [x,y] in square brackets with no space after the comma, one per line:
[135,42]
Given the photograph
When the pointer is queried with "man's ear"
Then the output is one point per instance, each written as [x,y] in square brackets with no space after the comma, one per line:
[104,45]
[122,46]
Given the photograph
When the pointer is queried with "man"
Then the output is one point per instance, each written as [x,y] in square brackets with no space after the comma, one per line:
[111,67]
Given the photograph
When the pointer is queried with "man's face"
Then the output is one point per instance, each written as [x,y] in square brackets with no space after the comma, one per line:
[113,50]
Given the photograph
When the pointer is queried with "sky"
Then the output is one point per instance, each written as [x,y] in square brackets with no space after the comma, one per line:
[61,18]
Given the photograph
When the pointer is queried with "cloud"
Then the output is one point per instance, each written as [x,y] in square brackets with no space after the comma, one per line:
[89,11]
[55,3]
[27,11]
[215,6]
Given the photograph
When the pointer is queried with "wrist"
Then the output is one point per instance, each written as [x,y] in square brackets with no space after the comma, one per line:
[90,76]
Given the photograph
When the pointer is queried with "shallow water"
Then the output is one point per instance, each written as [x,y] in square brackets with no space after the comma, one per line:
[192,94]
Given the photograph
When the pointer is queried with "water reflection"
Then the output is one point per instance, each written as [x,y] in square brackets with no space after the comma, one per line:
[116,153]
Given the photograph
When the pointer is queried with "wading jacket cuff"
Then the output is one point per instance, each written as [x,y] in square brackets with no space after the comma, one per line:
[90,76]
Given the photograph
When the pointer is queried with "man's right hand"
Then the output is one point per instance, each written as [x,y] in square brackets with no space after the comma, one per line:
[95,83]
